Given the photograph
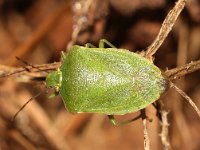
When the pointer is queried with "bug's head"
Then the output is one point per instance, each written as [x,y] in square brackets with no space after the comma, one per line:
[53,80]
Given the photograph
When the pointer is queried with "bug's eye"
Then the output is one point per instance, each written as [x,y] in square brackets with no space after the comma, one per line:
[54,79]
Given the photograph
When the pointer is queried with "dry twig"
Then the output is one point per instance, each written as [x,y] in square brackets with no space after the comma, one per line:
[178,72]
[165,29]
[146,136]
[165,131]
[83,7]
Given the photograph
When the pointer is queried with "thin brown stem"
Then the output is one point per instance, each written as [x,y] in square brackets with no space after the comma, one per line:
[146,136]
[28,73]
[165,129]
[187,98]
[178,72]
[165,29]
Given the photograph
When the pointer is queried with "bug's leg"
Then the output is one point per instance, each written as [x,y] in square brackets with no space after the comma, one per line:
[89,45]
[63,56]
[53,95]
[115,123]
[103,41]
[157,106]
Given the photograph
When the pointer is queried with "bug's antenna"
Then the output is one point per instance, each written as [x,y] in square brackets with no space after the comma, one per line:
[23,61]
[183,94]
[12,73]
[28,64]
[24,105]
[26,68]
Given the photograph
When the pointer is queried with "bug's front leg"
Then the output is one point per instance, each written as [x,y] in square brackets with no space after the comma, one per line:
[63,56]
[115,123]
[53,95]
[102,43]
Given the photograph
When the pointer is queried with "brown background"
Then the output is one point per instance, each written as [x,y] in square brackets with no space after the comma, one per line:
[37,31]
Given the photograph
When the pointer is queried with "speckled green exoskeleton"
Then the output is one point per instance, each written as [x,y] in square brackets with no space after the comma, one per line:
[106,80]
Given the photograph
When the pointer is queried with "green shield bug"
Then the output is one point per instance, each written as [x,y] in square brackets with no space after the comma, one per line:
[112,81]
[106,80]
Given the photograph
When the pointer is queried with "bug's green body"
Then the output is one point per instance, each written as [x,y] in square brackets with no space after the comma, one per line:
[108,80]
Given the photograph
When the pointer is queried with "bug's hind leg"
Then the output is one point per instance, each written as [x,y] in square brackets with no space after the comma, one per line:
[116,123]
[89,45]
[102,43]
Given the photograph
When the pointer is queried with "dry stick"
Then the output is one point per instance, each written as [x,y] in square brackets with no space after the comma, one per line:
[175,73]
[165,131]
[6,71]
[79,22]
[146,136]
[162,115]
[36,71]
[165,29]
